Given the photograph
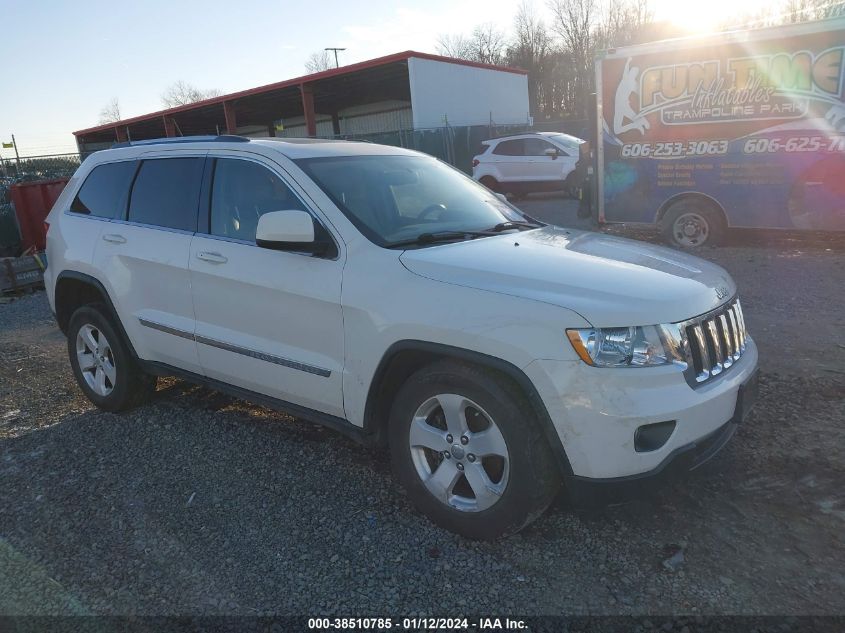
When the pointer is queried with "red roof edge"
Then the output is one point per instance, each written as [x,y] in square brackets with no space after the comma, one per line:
[325,74]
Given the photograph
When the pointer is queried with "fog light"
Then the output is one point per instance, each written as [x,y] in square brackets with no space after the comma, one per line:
[650,437]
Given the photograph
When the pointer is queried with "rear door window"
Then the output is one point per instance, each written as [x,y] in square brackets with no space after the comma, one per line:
[510,148]
[105,191]
[166,193]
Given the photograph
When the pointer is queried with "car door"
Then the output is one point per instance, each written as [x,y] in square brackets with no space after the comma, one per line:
[543,167]
[268,321]
[509,158]
[142,256]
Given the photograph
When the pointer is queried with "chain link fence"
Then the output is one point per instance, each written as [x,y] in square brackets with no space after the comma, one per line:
[39,167]
[31,168]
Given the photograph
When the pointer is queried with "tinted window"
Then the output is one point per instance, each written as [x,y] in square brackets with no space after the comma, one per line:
[538,147]
[166,193]
[104,192]
[510,148]
[242,192]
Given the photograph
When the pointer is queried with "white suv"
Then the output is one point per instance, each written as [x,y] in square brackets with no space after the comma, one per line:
[381,292]
[524,163]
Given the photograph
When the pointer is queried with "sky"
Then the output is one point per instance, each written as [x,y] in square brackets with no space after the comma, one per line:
[64,61]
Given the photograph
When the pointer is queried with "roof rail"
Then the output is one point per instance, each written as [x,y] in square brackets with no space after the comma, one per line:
[222,138]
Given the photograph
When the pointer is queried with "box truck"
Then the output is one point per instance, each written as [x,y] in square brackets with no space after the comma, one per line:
[738,129]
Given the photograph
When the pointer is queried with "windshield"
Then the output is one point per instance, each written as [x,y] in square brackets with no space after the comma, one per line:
[567,141]
[395,199]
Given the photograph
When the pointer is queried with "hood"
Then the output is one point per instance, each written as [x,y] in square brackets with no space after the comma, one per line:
[610,281]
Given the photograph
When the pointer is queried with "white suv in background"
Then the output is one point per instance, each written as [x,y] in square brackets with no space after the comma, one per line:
[524,163]
[383,293]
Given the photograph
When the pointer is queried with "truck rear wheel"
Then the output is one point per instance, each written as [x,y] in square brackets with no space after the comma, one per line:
[693,223]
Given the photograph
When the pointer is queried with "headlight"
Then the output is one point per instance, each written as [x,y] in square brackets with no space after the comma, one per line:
[639,346]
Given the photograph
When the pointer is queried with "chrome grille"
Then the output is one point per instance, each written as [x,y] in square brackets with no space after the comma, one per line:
[715,341]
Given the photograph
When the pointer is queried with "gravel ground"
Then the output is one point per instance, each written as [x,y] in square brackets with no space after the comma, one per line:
[201,504]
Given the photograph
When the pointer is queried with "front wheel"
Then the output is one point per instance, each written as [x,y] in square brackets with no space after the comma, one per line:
[468,450]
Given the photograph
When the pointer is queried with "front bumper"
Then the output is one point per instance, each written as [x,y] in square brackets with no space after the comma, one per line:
[585,491]
[596,413]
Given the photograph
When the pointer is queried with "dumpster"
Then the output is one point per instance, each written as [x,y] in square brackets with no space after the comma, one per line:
[33,201]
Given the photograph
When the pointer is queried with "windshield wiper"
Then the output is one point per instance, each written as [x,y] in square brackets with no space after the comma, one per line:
[440,236]
[515,224]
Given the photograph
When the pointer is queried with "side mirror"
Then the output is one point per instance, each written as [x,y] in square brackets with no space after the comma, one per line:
[501,196]
[289,231]
[554,153]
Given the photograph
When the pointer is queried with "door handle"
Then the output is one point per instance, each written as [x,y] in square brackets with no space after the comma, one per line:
[213,258]
[114,238]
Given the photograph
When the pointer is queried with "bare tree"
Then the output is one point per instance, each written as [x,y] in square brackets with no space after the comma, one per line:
[183,93]
[456,46]
[804,10]
[486,45]
[574,22]
[319,61]
[622,22]
[111,112]
[532,50]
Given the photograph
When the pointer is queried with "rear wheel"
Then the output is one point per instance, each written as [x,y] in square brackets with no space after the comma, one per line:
[693,223]
[468,451]
[102,364]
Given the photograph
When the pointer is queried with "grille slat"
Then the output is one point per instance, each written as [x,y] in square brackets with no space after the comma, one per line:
[715,341]
[742,330]
[735,332]
[716,344]
[703,353]
[727,339]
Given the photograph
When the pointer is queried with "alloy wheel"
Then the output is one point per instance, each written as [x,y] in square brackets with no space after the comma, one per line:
[96,360]
[459,453]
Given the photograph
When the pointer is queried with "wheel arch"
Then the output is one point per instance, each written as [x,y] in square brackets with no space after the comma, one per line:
[405,357]
[690,195]
[74,290]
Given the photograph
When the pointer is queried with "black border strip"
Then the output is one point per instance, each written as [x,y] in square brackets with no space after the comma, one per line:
[244,351]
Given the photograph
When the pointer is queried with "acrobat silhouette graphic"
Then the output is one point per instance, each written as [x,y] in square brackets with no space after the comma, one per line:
[628,86]
[836,117]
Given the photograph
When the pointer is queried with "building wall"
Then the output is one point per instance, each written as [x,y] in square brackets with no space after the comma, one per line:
[383,116]
[457,95]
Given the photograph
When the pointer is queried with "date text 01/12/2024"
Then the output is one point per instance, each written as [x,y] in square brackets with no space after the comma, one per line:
[416,624]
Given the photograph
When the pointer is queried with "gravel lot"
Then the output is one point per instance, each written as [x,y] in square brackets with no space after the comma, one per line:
[201,504]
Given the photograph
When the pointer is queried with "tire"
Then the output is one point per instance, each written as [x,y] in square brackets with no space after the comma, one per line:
[491,183]
[514,489]
[693,223]
[102,365]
